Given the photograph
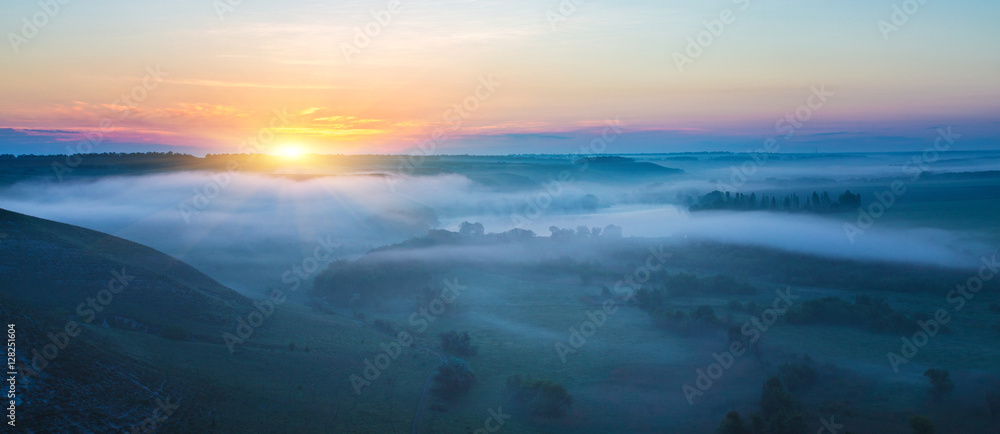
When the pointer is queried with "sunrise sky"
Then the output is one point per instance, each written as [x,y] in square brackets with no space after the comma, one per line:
[557,76]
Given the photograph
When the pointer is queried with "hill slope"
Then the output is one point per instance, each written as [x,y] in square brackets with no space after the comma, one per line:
[157,343]
[68,270]
[79,291]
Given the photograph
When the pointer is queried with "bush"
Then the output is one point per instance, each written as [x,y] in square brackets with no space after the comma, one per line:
[921,425]
[540,397]
[176,333]
[453,379]
[458,343]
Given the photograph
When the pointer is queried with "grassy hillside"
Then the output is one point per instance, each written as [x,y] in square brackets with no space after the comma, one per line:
[58,267]
[117,369]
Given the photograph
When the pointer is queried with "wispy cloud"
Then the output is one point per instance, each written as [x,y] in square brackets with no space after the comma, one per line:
[221,83]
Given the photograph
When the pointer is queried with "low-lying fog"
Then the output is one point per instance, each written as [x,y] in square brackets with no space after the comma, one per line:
[266,224]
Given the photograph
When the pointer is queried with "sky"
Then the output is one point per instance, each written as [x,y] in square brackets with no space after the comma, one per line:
[496,77]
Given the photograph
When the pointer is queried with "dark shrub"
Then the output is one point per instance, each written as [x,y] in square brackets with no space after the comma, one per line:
[458,343]
[540,397]
[453,379]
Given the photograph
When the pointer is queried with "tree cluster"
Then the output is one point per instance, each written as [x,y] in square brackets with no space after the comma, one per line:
[816,202]
[609,231]
[539,397]
[866,312]
[780,414]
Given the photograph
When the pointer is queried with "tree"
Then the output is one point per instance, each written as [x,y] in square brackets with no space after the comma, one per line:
[453,379]
[539,397]
[705,315]
[799,375]
[825,200]
[612,231]
[850,200]
[734,424]
[561,234]
[940,382]
[471,229]
[774,398]
[735,334]
[779,411]
[921,425]
[779,414]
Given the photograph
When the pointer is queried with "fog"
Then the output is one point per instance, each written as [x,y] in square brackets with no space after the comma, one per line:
[267,223]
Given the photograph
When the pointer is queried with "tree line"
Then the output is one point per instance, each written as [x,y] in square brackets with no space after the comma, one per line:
[718,200]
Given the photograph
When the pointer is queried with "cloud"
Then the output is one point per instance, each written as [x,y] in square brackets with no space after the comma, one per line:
[236,84]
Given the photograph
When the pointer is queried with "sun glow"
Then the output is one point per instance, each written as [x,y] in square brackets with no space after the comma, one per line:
[291,152]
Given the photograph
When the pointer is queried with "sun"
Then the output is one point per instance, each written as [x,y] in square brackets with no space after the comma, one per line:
[291,152]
